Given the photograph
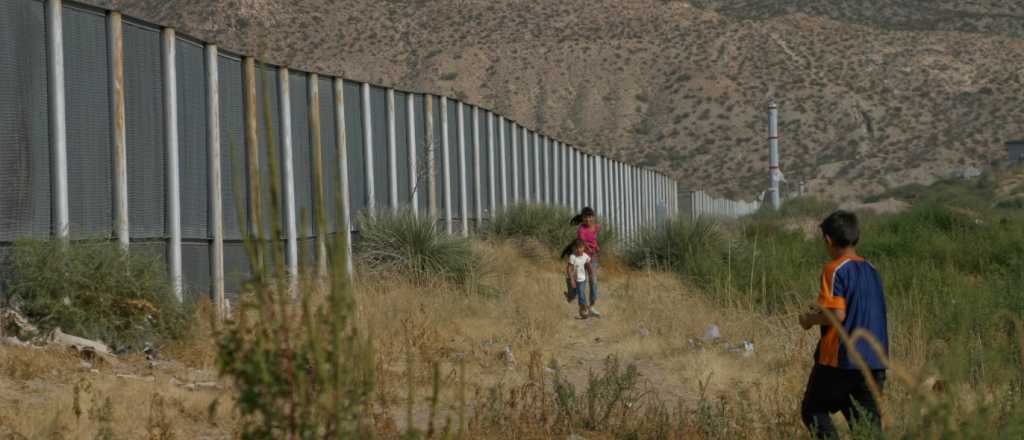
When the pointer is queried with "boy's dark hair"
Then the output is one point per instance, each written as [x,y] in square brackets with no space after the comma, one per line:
[842,227]
[585,212]
[571,248]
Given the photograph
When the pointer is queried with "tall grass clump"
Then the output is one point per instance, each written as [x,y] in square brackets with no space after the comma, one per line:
[94,289]
[694,250]
[402,244]
[548,225]
[300,366]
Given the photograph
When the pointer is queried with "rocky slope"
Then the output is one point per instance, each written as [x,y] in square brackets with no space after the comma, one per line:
[873,93]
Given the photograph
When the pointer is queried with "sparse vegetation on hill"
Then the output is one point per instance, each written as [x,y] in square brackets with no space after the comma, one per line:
[874,94]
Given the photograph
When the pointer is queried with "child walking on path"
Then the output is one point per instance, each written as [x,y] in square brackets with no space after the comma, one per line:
[851,292]
[587,232]
[578,271]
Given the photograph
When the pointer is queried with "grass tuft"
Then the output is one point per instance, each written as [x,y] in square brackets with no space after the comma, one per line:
[403,244]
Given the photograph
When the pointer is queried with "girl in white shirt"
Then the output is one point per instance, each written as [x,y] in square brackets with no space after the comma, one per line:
[577,271]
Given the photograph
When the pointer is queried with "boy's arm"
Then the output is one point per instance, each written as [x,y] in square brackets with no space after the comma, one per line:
[590,270]
[818,316]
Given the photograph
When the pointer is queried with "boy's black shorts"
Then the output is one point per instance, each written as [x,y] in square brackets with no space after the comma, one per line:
[831,390]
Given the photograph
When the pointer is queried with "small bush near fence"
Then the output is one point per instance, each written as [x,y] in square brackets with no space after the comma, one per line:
[413,247]
[95,290]
[548,225]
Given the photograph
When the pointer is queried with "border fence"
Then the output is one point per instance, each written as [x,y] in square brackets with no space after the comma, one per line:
[114,128]
[700,204]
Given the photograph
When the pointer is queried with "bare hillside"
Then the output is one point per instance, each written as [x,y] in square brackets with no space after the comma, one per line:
[675,86]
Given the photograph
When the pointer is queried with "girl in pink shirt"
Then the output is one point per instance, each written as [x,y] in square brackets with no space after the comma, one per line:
[587,232]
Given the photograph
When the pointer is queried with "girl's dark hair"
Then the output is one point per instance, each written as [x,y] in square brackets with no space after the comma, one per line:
[585,212]
[572,247]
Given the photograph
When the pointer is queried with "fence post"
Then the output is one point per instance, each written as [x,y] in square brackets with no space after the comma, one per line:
[341,133]
[544,146]
[490,165]
[571,173]
[216,202]
[527,190]
[318,174]
[504,165]
[57,116]
[477,179]
[446,165]
[170,98]
[515,164]
[392,152]
[539,180]
[252,152]
[428,103]
[464,209]
[115,43]
[371,196]
[284,96]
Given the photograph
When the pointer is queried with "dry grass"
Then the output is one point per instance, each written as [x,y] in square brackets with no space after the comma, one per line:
[650,319]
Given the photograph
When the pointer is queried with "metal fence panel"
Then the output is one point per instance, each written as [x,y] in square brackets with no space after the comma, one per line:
[454,158]
[24,138]
[442,199]
[379,122]
[467,120]
[267,104]
[484,147]
[420,179]
[234,179]
[356,156]
[87,94]
[144,128]
[236,266]
[195,270]
[302,153]
[193,150]
[509,165]
[402,149]
[329,153]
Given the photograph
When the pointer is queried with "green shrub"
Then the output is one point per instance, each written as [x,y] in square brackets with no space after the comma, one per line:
[406,245]
[299,366]
[96,290]
[546,224]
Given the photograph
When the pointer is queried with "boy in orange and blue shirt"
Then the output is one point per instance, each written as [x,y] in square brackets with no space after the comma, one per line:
[851,291]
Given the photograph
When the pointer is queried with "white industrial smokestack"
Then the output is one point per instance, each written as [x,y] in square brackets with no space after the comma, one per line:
[775,175]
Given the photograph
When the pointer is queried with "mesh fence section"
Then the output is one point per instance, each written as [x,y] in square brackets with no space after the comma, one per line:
[354,143]
[420,177]
[267,105]
[307,253]
[232,144]
[236,266]
[144,116]
[193,150]
[24,137]
[379,122]
[402,149]
[195,269]
[469,156]
[454,157]
[87,94]
[509,175]
[438,148]
[302,153]
[329,151]
[150,248]
[485,159]
[5,269]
